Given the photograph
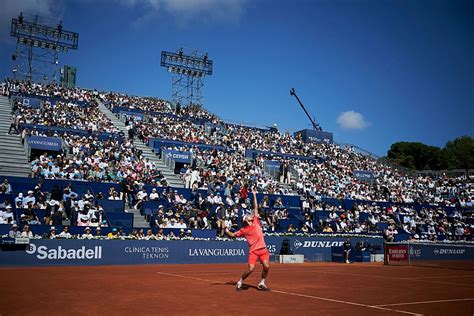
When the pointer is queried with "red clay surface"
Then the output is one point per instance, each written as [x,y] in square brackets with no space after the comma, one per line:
[298,289]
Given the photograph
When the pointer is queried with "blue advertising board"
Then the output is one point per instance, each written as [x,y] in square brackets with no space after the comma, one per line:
[44,143]
[441,252]
[28,102]
[178,156]
[253,153]
[136,115]
[43,252]
[312,136]
[52,100]
[157,144]
[272,163]
[363,175]
[55,129]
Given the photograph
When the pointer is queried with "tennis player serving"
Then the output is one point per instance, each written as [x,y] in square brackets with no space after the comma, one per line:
[252,231]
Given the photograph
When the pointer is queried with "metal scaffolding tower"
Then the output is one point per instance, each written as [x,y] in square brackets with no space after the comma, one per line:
[189,68]
[38,44]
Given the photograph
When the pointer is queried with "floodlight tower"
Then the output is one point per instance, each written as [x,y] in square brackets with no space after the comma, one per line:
[189,68]
[38,44]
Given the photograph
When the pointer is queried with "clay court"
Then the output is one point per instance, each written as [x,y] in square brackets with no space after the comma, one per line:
[306,289]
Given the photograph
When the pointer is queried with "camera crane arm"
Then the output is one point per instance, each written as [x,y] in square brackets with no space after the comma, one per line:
[315,125]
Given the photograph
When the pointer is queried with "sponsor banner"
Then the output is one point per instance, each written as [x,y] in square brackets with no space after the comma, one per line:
[397,252]
[44,143]
[312,136]
[441,252]
[56,129]
[125,252]
[272,163]
[157,144]
[28,102]
[363,175]
[52,100]
[208,126]
[253,153]
[136,115]
[178,156]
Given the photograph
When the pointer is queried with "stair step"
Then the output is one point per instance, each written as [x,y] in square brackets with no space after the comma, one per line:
[10,143]
[10,166]
[147,151]
[10,140]
[14,160]
[15,155]
[14,174]
[13,149]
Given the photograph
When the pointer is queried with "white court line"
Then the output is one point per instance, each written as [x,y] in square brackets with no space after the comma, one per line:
[445,277]
[303,295]
[224,272]
[429,302]
[240,271]
[394,278]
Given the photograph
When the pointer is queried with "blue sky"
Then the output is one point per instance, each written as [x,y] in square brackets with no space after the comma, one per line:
[373,72]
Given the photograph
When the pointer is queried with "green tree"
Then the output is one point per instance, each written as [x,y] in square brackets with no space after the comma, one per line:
[459,153]
[415,155]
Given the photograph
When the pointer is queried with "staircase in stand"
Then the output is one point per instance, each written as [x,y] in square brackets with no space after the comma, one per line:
[13,156]
[173,180]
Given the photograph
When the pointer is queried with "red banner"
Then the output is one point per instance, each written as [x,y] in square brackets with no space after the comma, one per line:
[397,253]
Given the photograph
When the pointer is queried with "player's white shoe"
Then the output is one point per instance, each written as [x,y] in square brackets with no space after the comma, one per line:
[262,287]
[238,286]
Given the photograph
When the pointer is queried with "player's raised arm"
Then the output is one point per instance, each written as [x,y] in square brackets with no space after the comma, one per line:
[229,233]
[255,204]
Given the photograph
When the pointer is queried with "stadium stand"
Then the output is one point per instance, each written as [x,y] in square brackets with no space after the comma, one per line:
[307,188]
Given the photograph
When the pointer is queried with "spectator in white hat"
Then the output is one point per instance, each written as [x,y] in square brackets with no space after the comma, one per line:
[19,198]
[14,233]
[30,198]
[87,233]
[65,233]
[52,233]
[7,215]
[154,195]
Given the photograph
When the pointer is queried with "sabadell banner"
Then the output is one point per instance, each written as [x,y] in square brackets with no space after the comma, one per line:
[123,252]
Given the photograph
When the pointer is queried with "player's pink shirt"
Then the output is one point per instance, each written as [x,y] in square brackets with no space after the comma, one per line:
[253,234]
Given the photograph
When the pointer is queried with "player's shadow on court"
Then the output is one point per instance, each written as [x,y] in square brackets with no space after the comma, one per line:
[245,287]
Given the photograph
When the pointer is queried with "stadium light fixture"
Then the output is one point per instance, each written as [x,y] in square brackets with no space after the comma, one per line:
[189,68]
[38,43]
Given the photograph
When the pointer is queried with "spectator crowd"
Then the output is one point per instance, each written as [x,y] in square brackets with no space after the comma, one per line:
[313,171]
